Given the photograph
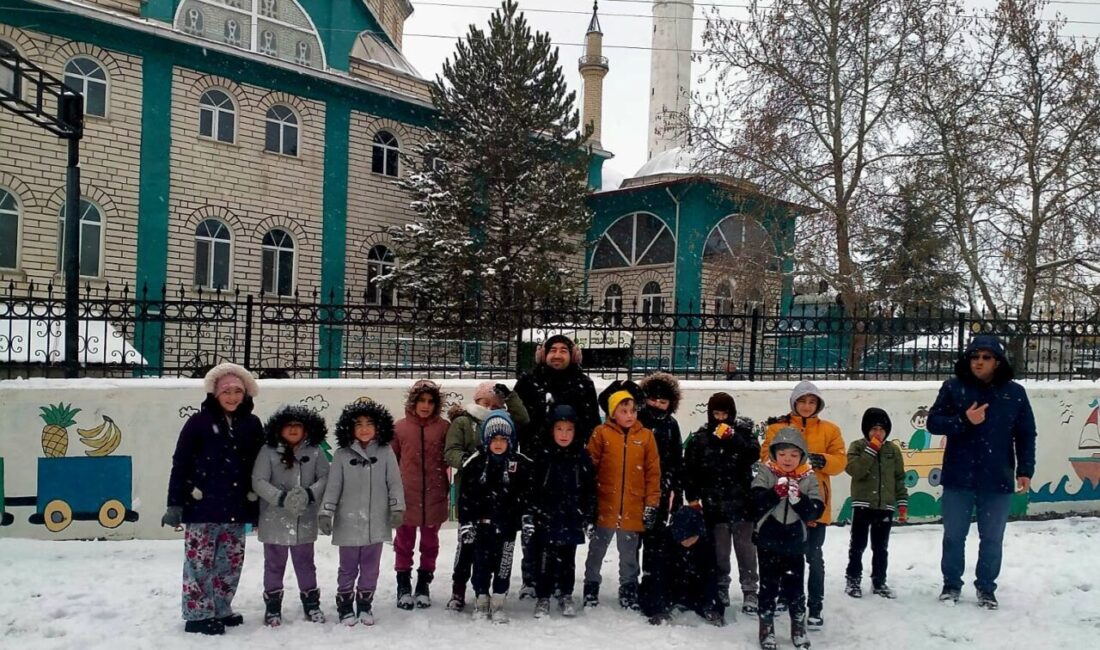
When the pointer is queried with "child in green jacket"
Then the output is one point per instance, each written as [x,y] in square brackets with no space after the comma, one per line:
[878,490]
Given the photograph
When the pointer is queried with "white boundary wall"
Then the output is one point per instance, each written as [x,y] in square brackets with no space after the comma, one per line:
[150,413]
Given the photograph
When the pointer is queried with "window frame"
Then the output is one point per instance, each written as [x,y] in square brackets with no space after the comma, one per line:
[652,302]
[16,80]
[389,153]
[277,249]
[85,80]
[17,214]
[282,125]
[216,111]
[378,265]
[212,240]
[86,205]
[634,259]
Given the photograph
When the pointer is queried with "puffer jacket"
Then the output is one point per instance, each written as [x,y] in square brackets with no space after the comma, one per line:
[628,475]
[279,470]
[878,479]
[497,489]
[821,437]
[563,494]
[364,487]
[781,526]
[211,477]
[464,433]
[986,457]
[718,471]
[418,444]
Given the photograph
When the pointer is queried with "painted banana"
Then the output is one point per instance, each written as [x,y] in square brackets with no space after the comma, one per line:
[106,439]
[92,433]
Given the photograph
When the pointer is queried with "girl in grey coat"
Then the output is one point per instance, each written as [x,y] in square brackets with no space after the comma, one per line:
[289,476]
[363,501]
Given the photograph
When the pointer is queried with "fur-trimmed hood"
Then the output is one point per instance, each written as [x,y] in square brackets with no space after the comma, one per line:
[316,429]
[251,388]
[661,385]
[383,422]
[419,388]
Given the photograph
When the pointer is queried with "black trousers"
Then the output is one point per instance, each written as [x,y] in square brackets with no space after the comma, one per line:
[528,566]
[651,542]
[815,558]
[877,523]
[492,561]
[555,568]
[463,566]
[781,576]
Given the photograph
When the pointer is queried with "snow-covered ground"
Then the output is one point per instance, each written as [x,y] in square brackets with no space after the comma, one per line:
[126,595]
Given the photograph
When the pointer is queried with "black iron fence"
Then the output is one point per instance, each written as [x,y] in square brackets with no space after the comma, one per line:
[184,332]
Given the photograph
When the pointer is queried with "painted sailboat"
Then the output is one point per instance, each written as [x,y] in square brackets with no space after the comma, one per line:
[1088,467]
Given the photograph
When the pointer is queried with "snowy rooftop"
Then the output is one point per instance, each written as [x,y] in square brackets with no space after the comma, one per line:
[678,160]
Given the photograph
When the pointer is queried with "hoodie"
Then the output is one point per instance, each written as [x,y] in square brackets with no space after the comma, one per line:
[985,457]
[781,525]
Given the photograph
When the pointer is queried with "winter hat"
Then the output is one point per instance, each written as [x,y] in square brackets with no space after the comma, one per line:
[787,437]
[661,385]
[562,412]
[498,423]
[873,417]
[807,388]
[616,398]
[687,522]
[630,387]
[722,402]
[233,375]
[544,349]
[485,390]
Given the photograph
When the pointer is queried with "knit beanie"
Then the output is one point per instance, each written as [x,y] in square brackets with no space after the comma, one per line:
[498,423]
[873,417]
[615,399]
[484,390]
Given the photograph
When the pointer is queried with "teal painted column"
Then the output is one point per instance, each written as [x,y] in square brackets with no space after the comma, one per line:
[154,186]
[694,215]
[163,10]
[334,234]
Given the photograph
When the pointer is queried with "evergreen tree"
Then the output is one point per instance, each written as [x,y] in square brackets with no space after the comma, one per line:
[910,262]
[499,186]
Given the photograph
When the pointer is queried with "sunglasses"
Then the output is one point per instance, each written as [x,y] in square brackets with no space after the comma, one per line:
[982,357]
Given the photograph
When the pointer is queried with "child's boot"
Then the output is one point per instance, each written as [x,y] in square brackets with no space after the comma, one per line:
[591,594]
[458,598]
[496,605]
[542,608]
[750,602]
[767,631]
[345,607]
[311,604]
[814,620]
[852,587]
[423,595]
[363,602]
[798,630]
[481,608]
[568,608]
[884,590]
[273,608]
[628,596]
[404,590]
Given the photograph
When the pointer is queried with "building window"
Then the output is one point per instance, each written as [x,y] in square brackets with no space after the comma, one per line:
[278,263]
[613,304]
[9,230]
[213,255]
[9,82]
[88,78]
[651,302]
[282,131]
[380,262]
[91,239]
[385,152]
[734,235]
[723,299]
[269,8]
[267,43]
[634,240]
[232,33]
[217,116]
[195,22]
[303,53]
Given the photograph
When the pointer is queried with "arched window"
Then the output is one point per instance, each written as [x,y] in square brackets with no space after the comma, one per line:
[9,230]
[380,261]
[635,240]
[278,263]
[384,154]
[232,32]
[735,235]
[613,304]
[281,131]
[303,53]
[651,301]
[267,44]
[213,255]
[217,116]
[8,80]
[88,78]
[194,22]
[91,239]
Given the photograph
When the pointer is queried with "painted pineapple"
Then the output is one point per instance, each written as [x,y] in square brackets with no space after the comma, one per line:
[55,435]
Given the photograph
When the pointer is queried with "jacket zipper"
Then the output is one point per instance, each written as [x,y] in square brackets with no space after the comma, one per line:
[878,468]
[622,490]
[423,480]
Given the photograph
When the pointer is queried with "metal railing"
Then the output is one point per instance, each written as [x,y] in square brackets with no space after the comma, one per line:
[183,332]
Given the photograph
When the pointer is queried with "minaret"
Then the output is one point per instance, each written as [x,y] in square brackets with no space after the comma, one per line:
[593,68]
[670,69]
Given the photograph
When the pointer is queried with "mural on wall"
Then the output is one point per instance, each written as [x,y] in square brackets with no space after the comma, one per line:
[92,487]
[1085,463]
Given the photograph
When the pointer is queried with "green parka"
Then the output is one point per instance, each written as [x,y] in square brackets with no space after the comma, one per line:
[878,480]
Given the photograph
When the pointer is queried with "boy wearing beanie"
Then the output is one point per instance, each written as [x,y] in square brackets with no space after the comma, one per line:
[878,490]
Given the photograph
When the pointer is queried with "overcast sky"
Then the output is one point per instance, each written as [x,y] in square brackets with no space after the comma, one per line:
[627,26]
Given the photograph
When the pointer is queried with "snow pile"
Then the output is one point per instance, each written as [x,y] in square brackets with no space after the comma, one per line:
[120,595]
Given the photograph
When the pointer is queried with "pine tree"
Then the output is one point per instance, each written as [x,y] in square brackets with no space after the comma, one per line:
[499,186]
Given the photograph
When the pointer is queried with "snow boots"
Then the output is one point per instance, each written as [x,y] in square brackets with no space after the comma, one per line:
[767,631]
[950,595]
[568,609]
[527,591]
[232,620]
[986,600]
[273,608]
[210,626]
[884,590]
[749,603]
[423,596]
[814,621]
[481,608]
[496,607]
[724,597]
[542,608]
[628,597]
[311,605]
[798,630]
[363,602]
[591,594]
[852,587]
[345,607]
[458,598]
[404,590]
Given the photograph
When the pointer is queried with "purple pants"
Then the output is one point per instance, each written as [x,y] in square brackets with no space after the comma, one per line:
[301,555]
[404,541]
[361,562]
